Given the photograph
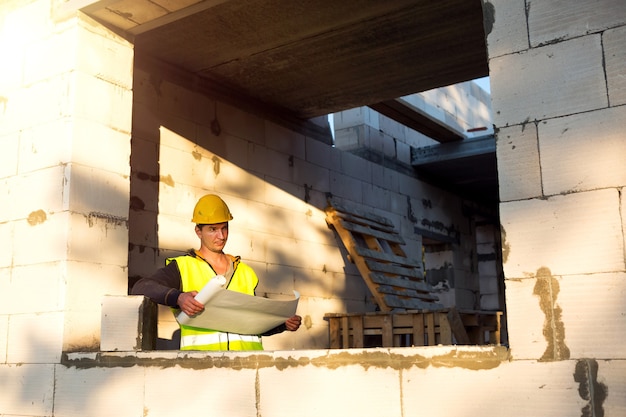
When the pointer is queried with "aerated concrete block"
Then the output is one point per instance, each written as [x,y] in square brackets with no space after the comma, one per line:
[51,186]
[27,389]
[519,173]
[597,330]
[539,389]
[598,150]
[113,61]
[567,77]
[570,234]
[99,147]
[43,282]
[93,190]
[99,391]
[562,19]
[206,388]
[345,390]
[345,186]
[284,140]
[100,101]
[98,238]
[129,323]
[546,323]
[508,27]
[238,123]
[35,338]
[46,229]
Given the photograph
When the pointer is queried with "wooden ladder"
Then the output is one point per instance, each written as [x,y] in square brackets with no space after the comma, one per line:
[375,247]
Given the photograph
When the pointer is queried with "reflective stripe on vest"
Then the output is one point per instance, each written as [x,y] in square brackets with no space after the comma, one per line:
[220,341]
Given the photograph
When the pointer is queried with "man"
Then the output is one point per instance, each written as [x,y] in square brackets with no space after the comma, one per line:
[179,281]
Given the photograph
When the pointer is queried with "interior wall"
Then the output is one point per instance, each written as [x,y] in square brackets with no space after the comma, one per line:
[277,183]
[452,263]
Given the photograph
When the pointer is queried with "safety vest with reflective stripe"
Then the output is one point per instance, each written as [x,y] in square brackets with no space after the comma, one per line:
[195,273]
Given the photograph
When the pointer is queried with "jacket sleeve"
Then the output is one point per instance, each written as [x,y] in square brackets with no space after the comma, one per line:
[163,287]
[278,329]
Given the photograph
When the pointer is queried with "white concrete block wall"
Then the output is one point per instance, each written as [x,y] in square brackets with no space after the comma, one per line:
[560,137]
[438,381]
[63,119]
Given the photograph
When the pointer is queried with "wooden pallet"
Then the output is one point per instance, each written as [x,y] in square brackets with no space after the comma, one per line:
[388,330]
[412,328]
[375,247]
[409,312]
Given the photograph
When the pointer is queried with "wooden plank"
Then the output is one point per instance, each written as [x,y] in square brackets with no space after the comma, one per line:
[356,323]
[418,286]
[458,329]
[404,292]
[387,330]
[495,336]
[430,328]
[418,330]
[445,331]
[387,257]
[413,272]
[374,320]
[410,303]
[350,245]
[343,208]
[334,330]
[345,333]
[357,228]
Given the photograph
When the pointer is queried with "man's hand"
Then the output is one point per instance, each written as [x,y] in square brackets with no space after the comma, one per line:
[188,304]
[293,323]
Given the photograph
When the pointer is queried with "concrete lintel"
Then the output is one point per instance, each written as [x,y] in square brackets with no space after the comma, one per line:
[174,16]
[416,119]
[449,151]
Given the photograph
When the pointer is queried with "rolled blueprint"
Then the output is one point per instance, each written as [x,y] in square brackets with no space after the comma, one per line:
[234,312]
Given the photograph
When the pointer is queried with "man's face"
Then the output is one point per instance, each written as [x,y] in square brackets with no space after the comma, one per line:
[213,236]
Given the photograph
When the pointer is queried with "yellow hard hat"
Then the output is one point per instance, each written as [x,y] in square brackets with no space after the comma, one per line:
[211,209]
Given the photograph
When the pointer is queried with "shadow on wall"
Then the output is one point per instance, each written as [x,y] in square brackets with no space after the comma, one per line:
[185,145]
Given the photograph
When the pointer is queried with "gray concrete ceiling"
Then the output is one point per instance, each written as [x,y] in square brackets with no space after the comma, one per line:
[309,58]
